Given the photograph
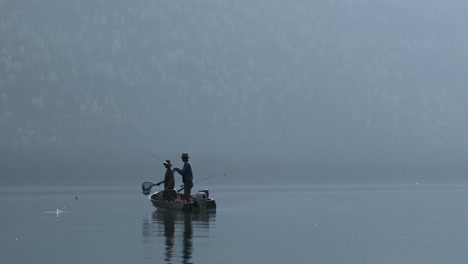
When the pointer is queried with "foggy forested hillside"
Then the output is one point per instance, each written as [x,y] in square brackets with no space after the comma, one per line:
[306,91]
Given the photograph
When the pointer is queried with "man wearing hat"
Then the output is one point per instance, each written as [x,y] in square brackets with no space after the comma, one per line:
[187,177]
[168,181]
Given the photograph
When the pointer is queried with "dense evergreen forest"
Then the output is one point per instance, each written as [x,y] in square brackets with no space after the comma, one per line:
[353,88]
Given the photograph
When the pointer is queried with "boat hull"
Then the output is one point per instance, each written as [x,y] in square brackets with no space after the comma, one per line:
[199,203]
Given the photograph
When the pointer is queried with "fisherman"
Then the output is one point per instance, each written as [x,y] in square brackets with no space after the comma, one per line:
[187,177]
[169,182]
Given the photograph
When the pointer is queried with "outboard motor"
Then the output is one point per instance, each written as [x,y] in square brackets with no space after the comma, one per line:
[207,193]
[201,198]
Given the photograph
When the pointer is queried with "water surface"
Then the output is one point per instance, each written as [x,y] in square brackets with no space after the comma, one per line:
[414,223]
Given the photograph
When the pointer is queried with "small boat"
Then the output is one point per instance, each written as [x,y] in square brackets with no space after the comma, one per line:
[200,202]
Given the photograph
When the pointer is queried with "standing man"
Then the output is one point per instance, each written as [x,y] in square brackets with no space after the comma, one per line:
[169,182]
[187,177]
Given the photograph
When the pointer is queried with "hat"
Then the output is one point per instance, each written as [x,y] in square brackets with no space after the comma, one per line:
[185,155]
[167,162]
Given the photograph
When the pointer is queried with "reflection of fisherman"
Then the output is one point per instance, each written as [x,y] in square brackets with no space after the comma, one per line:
[168,219]
[188,235]
[169,182]
[169,233]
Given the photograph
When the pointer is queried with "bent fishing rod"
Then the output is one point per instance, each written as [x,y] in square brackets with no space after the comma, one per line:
[147,152]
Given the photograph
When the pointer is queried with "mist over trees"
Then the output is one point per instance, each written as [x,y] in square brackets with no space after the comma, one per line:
[301,91]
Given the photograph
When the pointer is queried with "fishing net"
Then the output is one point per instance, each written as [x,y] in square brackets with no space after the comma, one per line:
[146,187]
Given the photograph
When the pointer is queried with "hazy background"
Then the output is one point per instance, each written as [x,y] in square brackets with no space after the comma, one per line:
[270,91]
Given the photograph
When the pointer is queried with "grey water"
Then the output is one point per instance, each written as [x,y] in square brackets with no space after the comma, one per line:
[412,223]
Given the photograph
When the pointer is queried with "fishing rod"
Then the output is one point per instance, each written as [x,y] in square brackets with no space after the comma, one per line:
[147,152]
[214,175]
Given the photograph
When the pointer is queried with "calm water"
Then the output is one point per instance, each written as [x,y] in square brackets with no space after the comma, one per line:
[273,224]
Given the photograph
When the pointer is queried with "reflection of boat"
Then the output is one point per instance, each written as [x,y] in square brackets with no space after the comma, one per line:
[200,202]
[179,229]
